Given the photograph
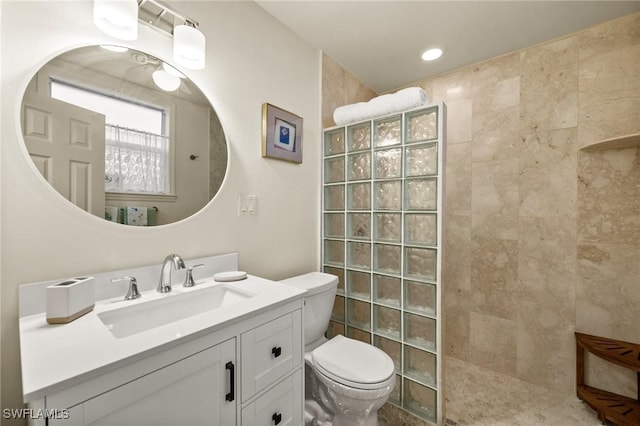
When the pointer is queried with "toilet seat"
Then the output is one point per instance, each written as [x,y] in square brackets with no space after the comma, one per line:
[353,363]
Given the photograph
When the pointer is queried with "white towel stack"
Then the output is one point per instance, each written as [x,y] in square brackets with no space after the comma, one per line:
[111,213]
[137,216]
[402,100]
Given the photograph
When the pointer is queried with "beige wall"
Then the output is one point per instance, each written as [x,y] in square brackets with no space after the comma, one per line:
[541,239]
[44,237]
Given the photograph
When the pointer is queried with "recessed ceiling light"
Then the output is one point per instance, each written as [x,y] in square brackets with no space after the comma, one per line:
[431,54]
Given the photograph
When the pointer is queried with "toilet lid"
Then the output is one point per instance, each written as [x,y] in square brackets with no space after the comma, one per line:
[353,363]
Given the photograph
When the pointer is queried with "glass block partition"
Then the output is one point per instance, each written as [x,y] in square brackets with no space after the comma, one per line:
[382,236]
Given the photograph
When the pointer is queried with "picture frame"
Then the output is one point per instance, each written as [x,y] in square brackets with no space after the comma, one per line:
[281,134]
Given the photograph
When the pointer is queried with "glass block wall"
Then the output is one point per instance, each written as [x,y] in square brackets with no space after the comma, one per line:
[382,236]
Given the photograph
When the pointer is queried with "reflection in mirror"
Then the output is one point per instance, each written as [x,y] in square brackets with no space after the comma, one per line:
[123,135]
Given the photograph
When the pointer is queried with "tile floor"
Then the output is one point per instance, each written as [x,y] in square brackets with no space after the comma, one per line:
[479,397]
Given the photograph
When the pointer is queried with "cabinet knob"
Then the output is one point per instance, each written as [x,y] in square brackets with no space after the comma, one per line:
[277,418]
[276,351]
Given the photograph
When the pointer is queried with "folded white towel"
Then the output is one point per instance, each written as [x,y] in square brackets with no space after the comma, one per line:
[137,216]
[351,113]
[111,213]
[402,100]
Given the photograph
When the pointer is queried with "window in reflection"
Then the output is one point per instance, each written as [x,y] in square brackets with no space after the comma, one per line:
[136,145]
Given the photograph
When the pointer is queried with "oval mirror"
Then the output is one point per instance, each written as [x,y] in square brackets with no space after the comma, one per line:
[123,135]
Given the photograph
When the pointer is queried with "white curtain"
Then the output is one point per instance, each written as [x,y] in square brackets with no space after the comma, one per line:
[136,161]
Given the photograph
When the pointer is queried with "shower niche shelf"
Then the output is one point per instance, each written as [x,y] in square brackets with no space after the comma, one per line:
[611,407]
[627,141]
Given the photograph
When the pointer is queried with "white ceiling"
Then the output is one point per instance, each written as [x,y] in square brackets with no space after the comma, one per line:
[381,41]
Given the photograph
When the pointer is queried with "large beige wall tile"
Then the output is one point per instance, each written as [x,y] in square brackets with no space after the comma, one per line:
[456,282]
[609,196]
[494,276]
[459,119]
[545,345]
[496,78]
[492,343]
[608,292]
[609,95]
[547,260]
[453,86]
[496,133]
[458,179]
[332,89]
[547,178]
[495,199]
[455,90]
[549,86]
[546,304]
[612,35]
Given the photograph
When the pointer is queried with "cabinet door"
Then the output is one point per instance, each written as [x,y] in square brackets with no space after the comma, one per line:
[281,406]
[192,391]
[270,352]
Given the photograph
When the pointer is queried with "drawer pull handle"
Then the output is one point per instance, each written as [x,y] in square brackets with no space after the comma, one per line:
[232,378]
[276,351]
[277,418]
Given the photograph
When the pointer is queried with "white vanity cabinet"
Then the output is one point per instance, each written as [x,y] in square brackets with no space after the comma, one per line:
[249,373]
[271,358]
[196,390]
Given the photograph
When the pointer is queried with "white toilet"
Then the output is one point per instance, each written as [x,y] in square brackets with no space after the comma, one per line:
[347,381]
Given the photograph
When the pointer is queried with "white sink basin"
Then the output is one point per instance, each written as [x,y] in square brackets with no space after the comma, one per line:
[172,307]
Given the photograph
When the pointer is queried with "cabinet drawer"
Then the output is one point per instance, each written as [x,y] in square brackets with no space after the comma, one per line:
[270,352]
[281,406]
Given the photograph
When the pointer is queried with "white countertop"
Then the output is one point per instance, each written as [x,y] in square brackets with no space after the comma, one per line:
[54,356]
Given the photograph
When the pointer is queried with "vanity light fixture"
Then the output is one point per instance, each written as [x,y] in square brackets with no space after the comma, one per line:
[431,54]
[118,18]
[188,46]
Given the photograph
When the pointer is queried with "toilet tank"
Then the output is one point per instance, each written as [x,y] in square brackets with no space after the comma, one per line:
[318,302]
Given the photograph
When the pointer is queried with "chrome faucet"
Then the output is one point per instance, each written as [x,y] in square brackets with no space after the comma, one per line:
[164,286]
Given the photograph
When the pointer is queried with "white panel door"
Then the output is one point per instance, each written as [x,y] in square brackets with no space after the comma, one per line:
[66,144]
[195,391]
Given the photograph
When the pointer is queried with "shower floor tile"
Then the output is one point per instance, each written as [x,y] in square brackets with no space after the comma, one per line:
[480,397]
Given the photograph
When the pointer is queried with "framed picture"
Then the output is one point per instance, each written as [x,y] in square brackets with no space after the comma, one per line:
[281,134]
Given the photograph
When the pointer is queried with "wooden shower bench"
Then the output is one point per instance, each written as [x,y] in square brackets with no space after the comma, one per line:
[611,407]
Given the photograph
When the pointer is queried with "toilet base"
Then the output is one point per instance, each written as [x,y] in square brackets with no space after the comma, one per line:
[372,420]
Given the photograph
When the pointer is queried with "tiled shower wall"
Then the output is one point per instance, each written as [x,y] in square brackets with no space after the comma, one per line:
[542,239]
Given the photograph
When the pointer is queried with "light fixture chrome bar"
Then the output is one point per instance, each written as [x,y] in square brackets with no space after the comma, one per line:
[166,9]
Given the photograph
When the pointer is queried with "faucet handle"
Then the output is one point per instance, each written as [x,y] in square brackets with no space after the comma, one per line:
[188,279]
[132,292]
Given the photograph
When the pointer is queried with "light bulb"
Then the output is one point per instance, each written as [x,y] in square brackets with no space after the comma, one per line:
[188,47]
[118,18]
[165,81]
